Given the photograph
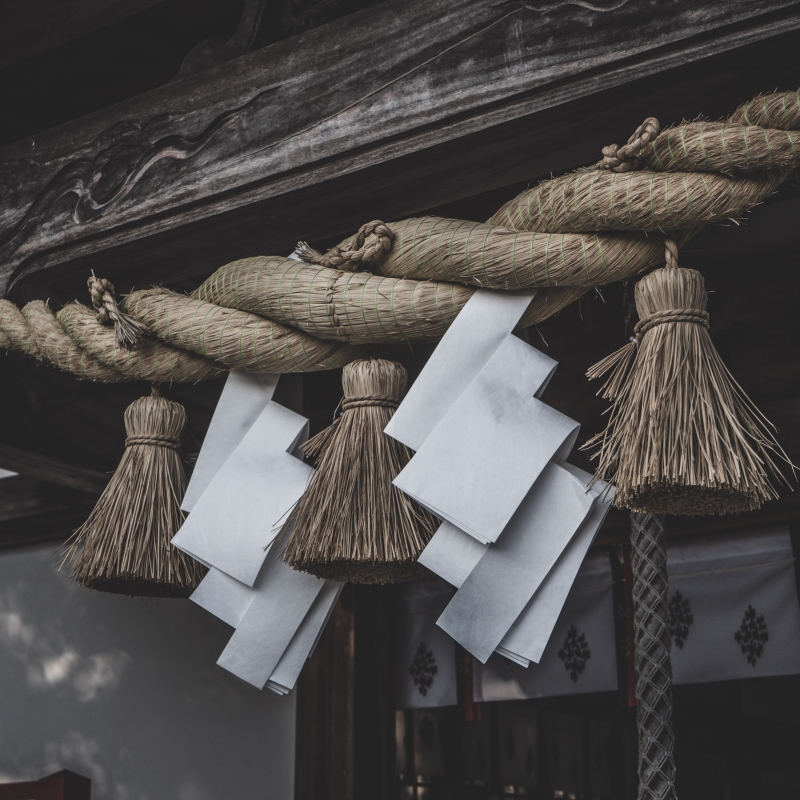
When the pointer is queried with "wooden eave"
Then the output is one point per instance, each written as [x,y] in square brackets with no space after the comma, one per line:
[390,111]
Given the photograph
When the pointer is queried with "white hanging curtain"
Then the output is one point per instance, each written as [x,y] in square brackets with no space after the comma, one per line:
[734,611]
[426,664]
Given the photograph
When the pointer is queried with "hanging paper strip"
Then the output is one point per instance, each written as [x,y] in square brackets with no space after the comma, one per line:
[581,654]
[733,606]
[248,482]
[490,462]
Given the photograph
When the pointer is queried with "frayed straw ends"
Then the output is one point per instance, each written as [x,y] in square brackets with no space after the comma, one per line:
[128,332]
[124,547]
[683,438]
[352,524]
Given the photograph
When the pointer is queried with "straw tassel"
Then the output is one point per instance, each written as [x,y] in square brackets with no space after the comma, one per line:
[352,524]
[124,547]
[683,438]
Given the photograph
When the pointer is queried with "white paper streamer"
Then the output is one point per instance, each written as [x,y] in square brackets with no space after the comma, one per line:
[281,616]
[516,565]
[580,655]
[236,516]
[489,462]
[479,329]
[491,445]
[282,599]
[243,398]
[304,642]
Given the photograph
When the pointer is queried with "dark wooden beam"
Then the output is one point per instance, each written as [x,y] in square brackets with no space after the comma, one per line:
[32,511]
[44,468]
[475,95]
[28,27]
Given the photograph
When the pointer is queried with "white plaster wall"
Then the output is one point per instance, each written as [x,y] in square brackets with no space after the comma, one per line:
[127,692]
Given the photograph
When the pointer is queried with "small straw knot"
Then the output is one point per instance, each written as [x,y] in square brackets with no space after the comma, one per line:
[358,255]
[629,156]
[129,333]
[695,315]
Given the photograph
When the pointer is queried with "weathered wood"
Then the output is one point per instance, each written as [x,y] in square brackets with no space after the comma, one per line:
[240,142]
[44,468]
[33,511]
[325,717]
[28,27]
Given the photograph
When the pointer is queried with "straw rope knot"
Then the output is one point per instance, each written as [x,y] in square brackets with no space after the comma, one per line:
[358,254]
[696,315]
[154,439]
[128,332]
[367,400]
[671,252]
[629,156]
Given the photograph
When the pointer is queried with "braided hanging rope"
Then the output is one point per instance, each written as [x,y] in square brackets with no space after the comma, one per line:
[563,236]
[653,666]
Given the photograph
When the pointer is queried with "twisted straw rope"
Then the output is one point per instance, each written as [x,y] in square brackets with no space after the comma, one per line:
[563,236]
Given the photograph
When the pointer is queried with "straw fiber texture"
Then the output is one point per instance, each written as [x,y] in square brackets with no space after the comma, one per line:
[595,200]
[722,147]
[124,547]
[51,343]
[562,236]
[237,339]
[682,438]
[493,257]
[780,110]
[352,524]
[152,361]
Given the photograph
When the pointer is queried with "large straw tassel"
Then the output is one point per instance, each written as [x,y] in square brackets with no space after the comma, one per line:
[352,524]
[124,547]
[683,437]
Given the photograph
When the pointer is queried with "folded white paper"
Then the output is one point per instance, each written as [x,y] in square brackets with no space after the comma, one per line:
[223,596]
[229,599]
[478,463]
[480,328]
[527,638]
[453,554]
[580,655]
[237,515]
[244,397]
[282,599]
[503,582]
[304,642]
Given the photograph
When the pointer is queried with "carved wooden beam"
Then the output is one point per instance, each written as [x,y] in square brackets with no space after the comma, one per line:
[398,108]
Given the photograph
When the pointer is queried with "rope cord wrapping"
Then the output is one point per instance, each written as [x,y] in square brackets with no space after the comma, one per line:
[561,237]
[370,400]
[652,658]
[154,439]
[695,315]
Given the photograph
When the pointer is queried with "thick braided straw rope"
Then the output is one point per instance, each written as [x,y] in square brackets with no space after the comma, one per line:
[563,236]
[653,666]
